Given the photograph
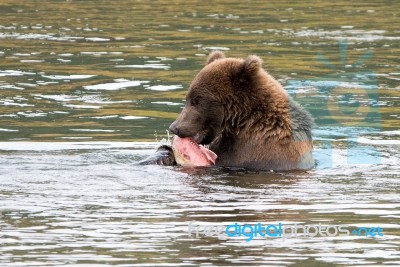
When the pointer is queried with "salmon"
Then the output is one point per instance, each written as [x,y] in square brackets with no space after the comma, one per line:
[188,153]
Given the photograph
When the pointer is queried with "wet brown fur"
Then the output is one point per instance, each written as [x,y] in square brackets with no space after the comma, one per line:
[247,116]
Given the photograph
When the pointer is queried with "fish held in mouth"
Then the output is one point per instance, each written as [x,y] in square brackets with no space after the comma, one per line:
[188,153]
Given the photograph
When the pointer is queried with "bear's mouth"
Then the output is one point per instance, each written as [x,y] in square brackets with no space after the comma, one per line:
[203,138]
[188,153]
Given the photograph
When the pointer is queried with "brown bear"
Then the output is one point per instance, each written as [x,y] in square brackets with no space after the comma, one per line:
[246,117]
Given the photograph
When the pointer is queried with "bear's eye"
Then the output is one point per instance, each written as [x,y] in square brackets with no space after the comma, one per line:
[195,101]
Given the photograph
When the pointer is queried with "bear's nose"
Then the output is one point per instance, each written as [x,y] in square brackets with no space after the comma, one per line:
[174,128]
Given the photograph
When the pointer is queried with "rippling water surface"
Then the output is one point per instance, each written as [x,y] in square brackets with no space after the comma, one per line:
[88,88]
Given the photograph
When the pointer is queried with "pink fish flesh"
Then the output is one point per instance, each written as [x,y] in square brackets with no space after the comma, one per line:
[188,153]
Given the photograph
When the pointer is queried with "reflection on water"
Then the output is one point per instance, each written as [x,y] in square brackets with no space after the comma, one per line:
[86,87]
[89,203]
[104,62]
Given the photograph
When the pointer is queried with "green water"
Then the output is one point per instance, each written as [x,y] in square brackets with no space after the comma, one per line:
[88,88]
[166,43]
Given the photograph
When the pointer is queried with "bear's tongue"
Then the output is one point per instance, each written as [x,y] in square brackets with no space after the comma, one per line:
[188,153]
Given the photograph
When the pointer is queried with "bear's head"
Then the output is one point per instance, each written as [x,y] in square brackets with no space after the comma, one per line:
[220,98]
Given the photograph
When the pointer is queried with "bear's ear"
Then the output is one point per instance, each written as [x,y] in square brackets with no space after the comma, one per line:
[250,66]
[214,56]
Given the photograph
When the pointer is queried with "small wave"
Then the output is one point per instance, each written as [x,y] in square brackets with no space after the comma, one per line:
[48,146]
[65,55]
[7,130]
[105,117]
[14,73]
[32,61]
[63,98]
[133,117]
[32,114]
[82,106]
[167,103]
[221,48]
[114,86]
[93,130]
[394,132]
[97,39]
[68,77]
[364,140]
[146,66]
[12,103]
[164,87]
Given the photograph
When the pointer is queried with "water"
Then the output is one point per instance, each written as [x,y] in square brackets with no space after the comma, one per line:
[89,88]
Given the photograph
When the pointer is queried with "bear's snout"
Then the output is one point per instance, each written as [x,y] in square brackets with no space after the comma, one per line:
[182,129]
[173,128]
